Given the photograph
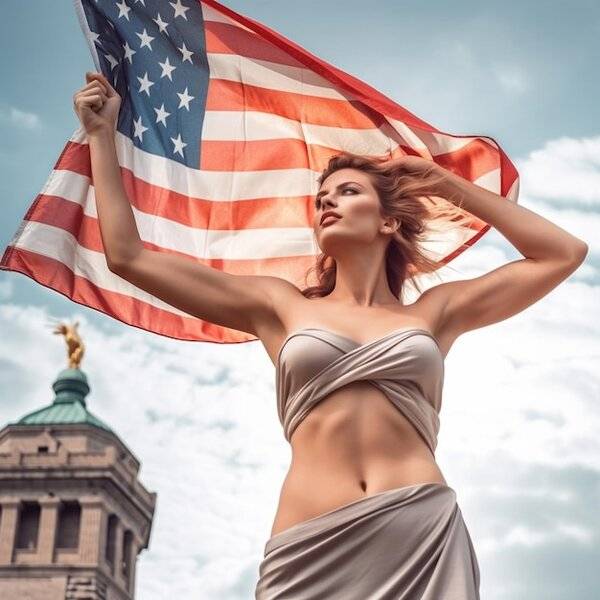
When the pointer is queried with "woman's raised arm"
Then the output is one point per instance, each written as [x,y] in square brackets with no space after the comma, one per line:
[236,301]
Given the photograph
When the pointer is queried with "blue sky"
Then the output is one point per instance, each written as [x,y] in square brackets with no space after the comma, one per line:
[519,442]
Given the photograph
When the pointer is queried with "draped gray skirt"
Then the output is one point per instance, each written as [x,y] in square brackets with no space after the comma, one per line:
[407,543]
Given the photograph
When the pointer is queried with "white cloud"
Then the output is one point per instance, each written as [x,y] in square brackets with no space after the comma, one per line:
[20,118]
[512,78]
[6,288]
[566,171]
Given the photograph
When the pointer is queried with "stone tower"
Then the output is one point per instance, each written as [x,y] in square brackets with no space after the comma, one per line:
[73,515]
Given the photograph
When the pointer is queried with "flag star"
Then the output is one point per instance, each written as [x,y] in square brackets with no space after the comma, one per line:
[167,68]
[112,60]
[123,10]
[161,24]
[145,39]
[179,9]
[128,52]
[142,1]
[139,128]
[184,99]
[161,114]
[145,84]
[179,144]
[94,37]
[187,55]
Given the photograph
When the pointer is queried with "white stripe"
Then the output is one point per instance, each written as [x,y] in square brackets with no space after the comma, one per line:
[273,76]
[434,143]
[62,246]
[254,125]
[210,14]
[203,243]
[513,192]
[489,181]
[217,186]
[409,138]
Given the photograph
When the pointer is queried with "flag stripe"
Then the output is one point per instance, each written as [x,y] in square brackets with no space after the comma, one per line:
[225,38]
[233,95]
[271,76]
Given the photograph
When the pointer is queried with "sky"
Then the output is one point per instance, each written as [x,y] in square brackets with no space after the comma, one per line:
[521,407]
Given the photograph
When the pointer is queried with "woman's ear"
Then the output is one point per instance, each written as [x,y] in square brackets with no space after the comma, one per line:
[392,224]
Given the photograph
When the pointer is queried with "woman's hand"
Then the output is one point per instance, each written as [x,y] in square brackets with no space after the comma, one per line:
[97,104]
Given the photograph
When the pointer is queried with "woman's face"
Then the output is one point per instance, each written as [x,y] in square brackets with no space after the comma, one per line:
[350,194]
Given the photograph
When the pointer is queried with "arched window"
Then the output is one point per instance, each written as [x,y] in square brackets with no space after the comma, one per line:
[69,518]
[111,538]
[29,524]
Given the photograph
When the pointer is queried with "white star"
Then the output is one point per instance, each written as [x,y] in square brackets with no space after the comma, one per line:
[139,128]
[166,69]
[179,144]
[145,84]
[145,39]
[185,99]
[161,114]
[94,37]
[142,1]
[112,60]
[123,10]
[187,55]
[179,9]
[161,24]
[128,52]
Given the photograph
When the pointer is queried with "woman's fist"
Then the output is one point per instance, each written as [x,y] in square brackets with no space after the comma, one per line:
[97,104]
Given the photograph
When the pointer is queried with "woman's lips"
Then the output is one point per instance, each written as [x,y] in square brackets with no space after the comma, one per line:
[329,219]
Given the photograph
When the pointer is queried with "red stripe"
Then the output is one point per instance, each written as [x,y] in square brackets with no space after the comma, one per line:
[259,155]
[234,95]
[471,161]
[223,38]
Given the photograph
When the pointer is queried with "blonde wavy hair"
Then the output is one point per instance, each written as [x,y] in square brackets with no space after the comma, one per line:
[403,195]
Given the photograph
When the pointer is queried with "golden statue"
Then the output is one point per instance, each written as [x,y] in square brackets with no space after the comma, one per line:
[75,346]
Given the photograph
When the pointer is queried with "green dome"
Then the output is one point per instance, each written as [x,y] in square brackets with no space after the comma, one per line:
[71,387]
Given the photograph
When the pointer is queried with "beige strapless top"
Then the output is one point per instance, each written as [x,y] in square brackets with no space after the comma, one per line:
[407,365]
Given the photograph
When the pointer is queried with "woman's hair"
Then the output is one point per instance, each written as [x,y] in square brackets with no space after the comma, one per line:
[404,196]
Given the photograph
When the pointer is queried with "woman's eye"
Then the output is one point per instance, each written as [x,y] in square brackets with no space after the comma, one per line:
[318,200]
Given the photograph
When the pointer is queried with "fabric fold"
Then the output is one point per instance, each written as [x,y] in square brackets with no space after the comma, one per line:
[407,543]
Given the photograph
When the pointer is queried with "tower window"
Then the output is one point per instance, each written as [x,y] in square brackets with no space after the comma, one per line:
[126,564]
[29,524]
[69,520]
[43,449]
[111,538]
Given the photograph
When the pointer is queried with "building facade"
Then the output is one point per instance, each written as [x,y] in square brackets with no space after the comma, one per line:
[73,514]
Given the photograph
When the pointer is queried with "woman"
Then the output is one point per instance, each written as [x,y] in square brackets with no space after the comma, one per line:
[364,511]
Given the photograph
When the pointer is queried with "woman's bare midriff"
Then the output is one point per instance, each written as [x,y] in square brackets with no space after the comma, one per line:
[353,444]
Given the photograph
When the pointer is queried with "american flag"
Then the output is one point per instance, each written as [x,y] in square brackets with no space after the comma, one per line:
[224,128]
